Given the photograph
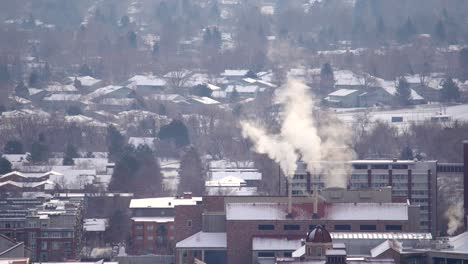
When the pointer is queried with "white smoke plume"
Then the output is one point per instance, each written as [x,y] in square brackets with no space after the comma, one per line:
[301,132]
[454,215]
[278,150]
[298,128]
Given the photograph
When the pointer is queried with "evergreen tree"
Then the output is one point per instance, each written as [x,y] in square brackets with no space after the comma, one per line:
[407,153]
[13,147]
[5,166]
[132,39]
[124,21]
[115,142]
[155,51]
[46,73]
[137,171]
[70,153]
[202,90]
[191,173]
[439,31]
[251,74]
[380,26]
[215,13]
[77,84]
[177,131]
[406,31]
[234,97]
[34,80]
[74,110]
[4,73]
[450,91]
[85,70]
[327,78]
[39,149]
[463,58]
[403,92]
[21,90]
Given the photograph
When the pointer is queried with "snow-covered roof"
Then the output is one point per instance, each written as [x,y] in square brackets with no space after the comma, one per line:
[241,174]
[347,78]
[57,87]
[231,191]
[204,240]
[162,219]
[86,80]
[63,97]
[33,91]
[234,73]
[219,94]
[213,87]
[95,224]
[162,202]
[342,92]
[299,252]
[147,80]
[205,100]
[26,184]
[228,181]
[390,87]
[275,244]
[380,236]
[335,211]
[335,252]
[242,88]
[384,246]
[227,164]
[103,91]
[175,98]
[367,211]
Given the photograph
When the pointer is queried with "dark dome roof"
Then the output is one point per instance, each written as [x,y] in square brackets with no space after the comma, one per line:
[319,235]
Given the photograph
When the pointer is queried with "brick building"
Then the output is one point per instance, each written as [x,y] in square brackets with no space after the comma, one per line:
[51,229]
[153,224]
[227,229]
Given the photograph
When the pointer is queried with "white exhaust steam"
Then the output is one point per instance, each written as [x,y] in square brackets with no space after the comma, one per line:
[301,133]
[454,215]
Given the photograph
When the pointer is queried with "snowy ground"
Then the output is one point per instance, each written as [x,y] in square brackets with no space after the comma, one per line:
[419,113]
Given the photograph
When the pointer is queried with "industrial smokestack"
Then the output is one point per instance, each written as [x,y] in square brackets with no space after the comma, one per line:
[289,197]
[315,215]
[465,181]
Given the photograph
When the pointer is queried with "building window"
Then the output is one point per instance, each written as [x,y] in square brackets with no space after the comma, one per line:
[7,225]
[292,227]
[360,166]
[319,251]
[150,238]
[171,227]
[267,254]
[308,251]
[139,227]
[189,223]
[287,254]
[379,166]
[139,237]
[368,227]
[161,235]
[266,227]
[44,245]
[400,166]
[55,245]
[150,228]
[342,227]
[393,227]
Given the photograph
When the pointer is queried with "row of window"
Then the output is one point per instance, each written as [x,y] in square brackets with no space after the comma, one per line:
[380,166]
[336,227]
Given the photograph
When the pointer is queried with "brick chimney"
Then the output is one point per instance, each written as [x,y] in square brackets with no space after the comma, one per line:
[187,195]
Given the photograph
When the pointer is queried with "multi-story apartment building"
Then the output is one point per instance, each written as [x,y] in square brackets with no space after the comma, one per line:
[153,223]
[51,229]
[415,181]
